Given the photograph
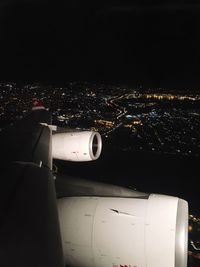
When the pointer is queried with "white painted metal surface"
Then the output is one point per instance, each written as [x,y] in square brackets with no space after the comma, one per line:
[181,234]
[76,146]
[115,232]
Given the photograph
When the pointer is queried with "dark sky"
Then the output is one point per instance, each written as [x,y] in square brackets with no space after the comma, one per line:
[136,42]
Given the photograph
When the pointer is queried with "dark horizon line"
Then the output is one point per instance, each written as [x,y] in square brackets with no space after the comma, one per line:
[118,82]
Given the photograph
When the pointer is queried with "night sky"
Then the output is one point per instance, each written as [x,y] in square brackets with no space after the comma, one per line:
[137,42]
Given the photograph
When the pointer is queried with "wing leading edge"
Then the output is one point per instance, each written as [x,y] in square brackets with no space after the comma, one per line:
[29,226]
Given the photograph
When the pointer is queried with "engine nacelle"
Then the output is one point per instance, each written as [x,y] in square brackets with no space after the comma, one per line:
[76,146]
[124,232]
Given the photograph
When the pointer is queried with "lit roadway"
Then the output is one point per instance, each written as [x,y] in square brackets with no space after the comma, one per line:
[120,111]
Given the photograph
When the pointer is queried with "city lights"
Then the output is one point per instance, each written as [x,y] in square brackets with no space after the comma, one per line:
[158,121]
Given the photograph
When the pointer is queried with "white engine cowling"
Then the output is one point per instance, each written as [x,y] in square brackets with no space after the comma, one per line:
[76,146]
[124,232]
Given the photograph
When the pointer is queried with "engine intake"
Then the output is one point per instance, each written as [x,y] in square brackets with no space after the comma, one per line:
[76,146]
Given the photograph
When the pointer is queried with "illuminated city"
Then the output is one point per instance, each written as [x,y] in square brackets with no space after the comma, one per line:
[158,121]
[194,237]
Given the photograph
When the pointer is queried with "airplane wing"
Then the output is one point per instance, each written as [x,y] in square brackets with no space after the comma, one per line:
[29,226]
[83,223]
[28,140]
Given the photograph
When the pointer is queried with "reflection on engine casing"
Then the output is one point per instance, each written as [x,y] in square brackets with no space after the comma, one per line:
[76,146]
[132,232]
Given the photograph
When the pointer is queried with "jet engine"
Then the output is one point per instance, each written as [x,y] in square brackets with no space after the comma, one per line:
[76,146]
[124,232]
